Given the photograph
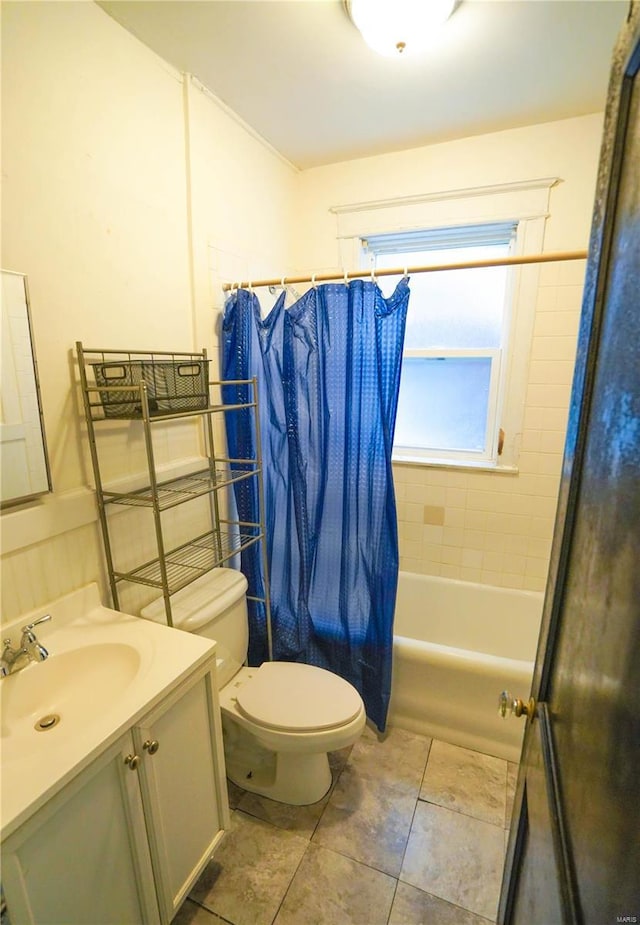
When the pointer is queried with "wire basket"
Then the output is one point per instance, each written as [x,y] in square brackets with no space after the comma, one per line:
[172,386]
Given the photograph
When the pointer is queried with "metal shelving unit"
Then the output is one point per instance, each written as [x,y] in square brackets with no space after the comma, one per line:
[157,387]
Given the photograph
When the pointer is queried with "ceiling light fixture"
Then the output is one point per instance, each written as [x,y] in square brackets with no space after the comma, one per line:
[399,27]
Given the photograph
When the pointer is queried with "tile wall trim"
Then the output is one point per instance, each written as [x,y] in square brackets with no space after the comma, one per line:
[50,516]
[63,512]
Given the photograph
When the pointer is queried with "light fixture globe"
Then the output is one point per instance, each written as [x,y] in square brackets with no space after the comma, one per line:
[399,27]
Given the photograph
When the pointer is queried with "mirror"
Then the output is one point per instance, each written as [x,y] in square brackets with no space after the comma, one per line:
[24,462]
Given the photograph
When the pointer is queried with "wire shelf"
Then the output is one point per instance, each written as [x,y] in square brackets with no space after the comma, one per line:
[188,562]
[176,491]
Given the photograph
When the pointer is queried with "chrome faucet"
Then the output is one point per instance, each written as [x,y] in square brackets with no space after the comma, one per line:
[30,650]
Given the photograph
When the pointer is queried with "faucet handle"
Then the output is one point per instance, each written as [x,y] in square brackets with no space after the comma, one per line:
[30,626]
[6,657]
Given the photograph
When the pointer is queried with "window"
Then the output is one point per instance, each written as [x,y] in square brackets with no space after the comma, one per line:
[456,349]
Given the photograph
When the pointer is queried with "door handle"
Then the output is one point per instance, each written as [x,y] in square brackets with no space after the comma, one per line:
[514,706]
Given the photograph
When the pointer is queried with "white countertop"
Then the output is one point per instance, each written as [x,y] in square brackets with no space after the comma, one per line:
[36,765]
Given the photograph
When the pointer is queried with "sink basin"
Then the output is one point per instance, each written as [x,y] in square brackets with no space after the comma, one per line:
[105,672]
[77,686]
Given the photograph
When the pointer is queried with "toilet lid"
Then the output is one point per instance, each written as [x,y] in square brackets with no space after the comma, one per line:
[298,698]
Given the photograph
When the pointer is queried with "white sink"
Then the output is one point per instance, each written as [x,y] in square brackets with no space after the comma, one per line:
[67,691]
[105,670]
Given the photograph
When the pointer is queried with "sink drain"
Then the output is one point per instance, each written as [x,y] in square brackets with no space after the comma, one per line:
[47,722]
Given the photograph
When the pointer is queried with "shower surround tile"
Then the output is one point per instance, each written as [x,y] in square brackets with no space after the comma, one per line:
[456,858]
[250,872]
[415,907]
[329,889]
[467,782]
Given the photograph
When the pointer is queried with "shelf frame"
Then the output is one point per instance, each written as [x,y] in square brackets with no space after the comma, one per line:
[176,568]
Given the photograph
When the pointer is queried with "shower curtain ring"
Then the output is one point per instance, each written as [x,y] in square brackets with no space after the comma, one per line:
[313,281]
[346,278]
[250,287]
[283,285]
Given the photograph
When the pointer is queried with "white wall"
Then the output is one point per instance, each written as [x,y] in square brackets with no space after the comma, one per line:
[483,526]
[116,179]
[129,193]
[568,149]
[242,205]
[93,203]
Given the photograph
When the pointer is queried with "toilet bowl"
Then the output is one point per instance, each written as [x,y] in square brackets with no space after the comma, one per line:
[279,720]
[296,714]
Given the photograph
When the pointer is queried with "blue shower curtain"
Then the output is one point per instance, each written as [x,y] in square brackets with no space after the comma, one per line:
[328,370]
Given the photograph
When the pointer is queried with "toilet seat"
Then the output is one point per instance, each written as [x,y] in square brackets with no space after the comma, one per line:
[293,697]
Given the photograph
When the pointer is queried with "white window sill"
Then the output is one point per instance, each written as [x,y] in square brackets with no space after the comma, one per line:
[482,465]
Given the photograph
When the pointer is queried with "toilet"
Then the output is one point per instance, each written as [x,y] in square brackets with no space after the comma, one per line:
[280,720]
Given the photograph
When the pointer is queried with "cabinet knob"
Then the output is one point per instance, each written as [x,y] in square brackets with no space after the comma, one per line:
[133,761]
[151,745]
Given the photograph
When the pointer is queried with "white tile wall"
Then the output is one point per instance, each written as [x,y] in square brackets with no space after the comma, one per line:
[497,527]
[34,575]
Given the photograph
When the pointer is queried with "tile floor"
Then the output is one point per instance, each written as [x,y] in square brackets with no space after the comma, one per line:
[412,832]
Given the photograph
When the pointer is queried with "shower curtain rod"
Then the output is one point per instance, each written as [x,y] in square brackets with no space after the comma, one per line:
[409,271]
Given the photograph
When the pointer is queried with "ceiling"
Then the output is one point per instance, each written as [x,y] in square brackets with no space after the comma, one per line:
[299,73]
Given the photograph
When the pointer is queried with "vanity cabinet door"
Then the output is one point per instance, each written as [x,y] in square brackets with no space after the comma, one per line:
[84,856]
[182,776]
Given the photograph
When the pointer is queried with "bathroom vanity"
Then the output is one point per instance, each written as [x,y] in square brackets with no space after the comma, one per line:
[110,814]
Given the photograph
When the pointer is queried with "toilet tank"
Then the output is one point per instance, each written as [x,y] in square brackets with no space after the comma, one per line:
[213,606]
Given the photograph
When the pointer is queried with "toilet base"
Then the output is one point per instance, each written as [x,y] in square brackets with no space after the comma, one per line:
[288,777]
[287,766]
[295,779]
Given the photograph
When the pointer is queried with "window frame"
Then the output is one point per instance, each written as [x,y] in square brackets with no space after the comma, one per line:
[522,288]
[402,453]
[526,202]
[432,241]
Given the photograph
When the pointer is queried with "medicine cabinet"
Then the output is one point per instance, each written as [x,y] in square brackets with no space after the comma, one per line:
[25,464]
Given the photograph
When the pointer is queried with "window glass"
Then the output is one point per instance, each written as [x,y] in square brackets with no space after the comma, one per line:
[448,403]
[454,308]
[443,403]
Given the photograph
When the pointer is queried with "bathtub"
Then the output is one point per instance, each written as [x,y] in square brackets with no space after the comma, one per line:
[456,646]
